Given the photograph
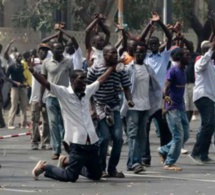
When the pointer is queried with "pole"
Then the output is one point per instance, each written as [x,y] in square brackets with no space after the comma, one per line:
[164,14]
[165,11]
[120,14]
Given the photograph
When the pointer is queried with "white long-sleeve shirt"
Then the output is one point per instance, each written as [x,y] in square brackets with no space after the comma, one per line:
[205,77]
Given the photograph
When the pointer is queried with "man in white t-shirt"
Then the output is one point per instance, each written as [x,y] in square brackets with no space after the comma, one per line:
[36,107]
[80,134]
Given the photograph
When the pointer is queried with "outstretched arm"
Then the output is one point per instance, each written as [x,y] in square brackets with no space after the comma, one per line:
[47,39]
[72,38]
[156,18]
[6,53]
[145,31]
[88,32]
[105,30]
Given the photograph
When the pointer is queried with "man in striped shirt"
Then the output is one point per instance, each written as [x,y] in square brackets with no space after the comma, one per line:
[107,106]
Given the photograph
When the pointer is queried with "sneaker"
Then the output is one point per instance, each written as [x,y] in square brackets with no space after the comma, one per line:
[61,161]
[208,161]
[117,174]
[34,146]
[55,156]
[196,159]
[139,168]
[162,156]
[172,168]
[105,174]
[46,147]
[11,127]
[183,151]
[23,127]
[146,163]
[38,169]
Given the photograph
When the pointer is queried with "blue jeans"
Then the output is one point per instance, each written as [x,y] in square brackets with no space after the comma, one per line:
[114,132]
[206,109]
[136,129]
[55,123]
[179,126]
[83,160]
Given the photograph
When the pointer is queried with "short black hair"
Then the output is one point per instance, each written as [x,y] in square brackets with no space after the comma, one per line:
[74,74]
[154,39]
[26,55]
[177,55]
[107,48]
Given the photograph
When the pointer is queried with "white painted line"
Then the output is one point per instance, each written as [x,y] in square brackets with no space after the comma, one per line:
[168,177]
[17,190]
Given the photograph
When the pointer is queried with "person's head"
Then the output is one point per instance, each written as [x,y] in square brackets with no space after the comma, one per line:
[98,42]
[154,44]
[13,49]
[57,50]
[18,57]
[78,79]
[1,48]
[52,41]
[191,46]
[33,52]
[182,56]
[205,45]
[70,48]
[131,47]
[110,55]
[43,49]
[26,56]
[140,52]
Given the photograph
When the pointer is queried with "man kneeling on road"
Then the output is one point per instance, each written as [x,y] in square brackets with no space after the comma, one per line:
[80,134]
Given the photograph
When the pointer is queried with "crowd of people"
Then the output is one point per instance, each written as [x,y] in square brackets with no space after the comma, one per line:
[86,104]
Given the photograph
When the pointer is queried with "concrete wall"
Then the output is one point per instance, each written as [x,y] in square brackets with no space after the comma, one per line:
[28,39]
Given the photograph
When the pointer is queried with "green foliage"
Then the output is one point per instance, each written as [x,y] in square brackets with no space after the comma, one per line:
[137,13]
[38,15]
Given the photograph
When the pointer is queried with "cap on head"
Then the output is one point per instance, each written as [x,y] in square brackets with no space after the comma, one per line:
[205,45]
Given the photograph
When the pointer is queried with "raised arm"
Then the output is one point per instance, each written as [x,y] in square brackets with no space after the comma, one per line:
[156,18]
[105,30]
[123,40]
[88,33]
[72,38]
[145,31]
[213,30]
[6,52]
[47,39]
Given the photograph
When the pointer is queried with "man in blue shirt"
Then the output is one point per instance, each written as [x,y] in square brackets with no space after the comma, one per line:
[175,111]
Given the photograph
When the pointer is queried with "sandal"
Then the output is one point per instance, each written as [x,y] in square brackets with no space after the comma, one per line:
[172,168]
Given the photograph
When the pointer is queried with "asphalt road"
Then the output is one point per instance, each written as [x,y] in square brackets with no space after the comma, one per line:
[17,160]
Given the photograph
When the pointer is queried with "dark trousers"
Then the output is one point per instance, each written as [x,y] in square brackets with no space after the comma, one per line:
[83,159]
[205,107]
[165,135]
[2,123]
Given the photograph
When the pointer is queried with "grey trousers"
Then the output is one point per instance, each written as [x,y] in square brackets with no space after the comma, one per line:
[35,117]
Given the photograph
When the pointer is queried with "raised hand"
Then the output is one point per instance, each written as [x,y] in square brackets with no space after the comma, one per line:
[177,27]
[155,17]
[12,41]
[119,27]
